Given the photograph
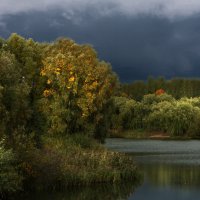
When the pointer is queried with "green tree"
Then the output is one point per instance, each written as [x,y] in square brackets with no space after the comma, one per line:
[14,96]
[28,60]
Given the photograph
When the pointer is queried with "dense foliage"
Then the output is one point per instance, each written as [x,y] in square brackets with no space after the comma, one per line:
[10,179]
[78,86]
[57,88]
[159,113]
[53,100]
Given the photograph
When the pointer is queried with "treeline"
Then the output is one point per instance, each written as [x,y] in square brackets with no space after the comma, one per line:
[177,87]
[158,112]
[53,109]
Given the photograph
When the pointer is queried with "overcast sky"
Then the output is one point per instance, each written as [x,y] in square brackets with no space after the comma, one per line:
[138,37]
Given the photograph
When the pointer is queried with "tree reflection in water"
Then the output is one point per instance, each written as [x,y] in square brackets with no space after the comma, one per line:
[172,175]
[103,191]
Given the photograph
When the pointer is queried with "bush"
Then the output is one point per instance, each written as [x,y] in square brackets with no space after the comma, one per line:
[153,98]
[10,180]
[160,113]
[160,117]
[126,114]
[177,118]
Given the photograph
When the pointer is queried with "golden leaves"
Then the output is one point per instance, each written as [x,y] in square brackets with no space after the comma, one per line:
[57,73]
[49,81]
[76,72]
[71,79]
[43,73]
[47,93]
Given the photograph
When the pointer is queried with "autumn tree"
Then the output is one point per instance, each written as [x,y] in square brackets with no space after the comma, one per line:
[159,92]
[78,86]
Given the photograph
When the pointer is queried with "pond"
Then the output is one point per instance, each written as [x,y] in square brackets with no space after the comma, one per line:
[171,170]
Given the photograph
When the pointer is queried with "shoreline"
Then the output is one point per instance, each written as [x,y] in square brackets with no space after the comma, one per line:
[143,135]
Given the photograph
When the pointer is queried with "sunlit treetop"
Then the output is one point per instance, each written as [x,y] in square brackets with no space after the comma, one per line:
[74,74]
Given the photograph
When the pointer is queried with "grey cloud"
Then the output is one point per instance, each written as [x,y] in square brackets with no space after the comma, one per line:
[163,8]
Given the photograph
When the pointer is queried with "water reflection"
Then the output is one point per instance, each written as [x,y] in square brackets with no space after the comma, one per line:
[171,168]
[105,191]
[166,181]
[172,175]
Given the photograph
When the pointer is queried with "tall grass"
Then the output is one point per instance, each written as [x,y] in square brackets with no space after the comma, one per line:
[64,162]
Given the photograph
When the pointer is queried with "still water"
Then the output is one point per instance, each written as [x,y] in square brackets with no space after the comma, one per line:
[171,170]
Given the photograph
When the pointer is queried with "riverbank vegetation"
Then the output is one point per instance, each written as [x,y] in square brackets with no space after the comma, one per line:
[54,99]
[158,115]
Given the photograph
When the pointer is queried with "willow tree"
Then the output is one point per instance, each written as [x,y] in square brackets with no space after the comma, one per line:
[78,86]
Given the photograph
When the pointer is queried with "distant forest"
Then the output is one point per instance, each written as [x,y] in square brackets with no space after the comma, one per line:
[177,87]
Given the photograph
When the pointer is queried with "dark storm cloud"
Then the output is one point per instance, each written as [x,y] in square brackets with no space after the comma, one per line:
[137,44]
[166,8]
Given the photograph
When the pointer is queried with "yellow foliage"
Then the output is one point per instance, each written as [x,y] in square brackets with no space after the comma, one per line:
[89,94]
[84,115]
[49,81]
[57,73]
[71,79]
[43,73]
[86,78]
[47,93]
[95,84]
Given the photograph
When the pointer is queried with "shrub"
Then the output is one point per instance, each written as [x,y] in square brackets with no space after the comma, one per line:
[153,98]
[10,180]
[126,114]
[177,118]
[160,117]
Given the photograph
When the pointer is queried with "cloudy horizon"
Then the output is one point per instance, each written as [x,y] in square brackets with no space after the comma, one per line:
[138,37]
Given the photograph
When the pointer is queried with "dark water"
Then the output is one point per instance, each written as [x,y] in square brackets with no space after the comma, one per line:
[171,168]
[103,192]
[171,172]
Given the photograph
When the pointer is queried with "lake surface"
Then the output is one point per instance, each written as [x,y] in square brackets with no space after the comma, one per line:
[171,171]
[171,168]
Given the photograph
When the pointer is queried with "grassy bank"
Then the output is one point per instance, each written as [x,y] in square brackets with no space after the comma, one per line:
[142,134]
[66,162]
[81,161]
